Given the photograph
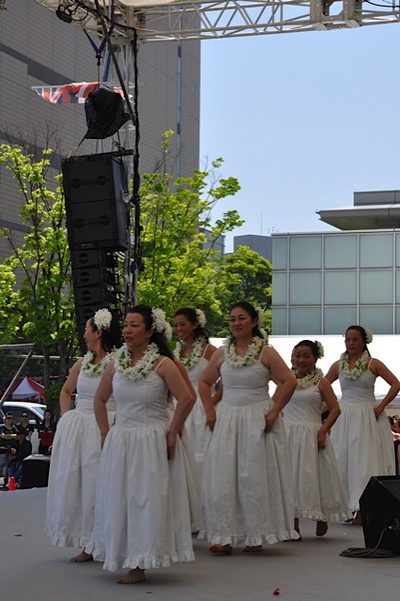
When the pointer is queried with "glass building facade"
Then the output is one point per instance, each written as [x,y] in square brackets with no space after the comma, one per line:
[324,282]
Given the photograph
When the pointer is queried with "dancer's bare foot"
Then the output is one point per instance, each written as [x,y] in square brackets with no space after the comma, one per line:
[83,556]
[252,549]
[221,549]
[133,577]
[321,529]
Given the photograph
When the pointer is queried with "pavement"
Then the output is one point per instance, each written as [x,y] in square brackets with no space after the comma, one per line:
[307,570]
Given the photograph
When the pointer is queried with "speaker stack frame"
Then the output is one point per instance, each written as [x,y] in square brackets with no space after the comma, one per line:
[97,210]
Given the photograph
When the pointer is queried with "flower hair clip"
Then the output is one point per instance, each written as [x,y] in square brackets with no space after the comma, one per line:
[368,336]
[102,319]
[159,323]
[320,349]
[260,316]
[201,318]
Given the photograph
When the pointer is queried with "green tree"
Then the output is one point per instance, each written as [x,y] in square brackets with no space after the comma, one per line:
[179,241]
[243,275]
[42,300]
[9,313]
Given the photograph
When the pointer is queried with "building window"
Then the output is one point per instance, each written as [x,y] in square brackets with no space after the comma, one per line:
[305,252]
[376,287]
[340,251]
[279,289]
[340,288]
[279,253]
[378,319]
[338,319]
[376,250]
[305,288]
[305,321]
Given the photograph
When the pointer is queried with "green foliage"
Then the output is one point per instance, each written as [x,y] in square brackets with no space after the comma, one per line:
[243,275]
[9,314]
[42,300]
[179,242]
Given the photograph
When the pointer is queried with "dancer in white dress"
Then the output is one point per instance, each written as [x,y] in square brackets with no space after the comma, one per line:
[361,437]
[246,485]
[318,492]
[76,449]
[194,351]
[142,512]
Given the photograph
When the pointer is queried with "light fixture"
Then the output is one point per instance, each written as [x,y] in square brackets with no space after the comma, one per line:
[63,13]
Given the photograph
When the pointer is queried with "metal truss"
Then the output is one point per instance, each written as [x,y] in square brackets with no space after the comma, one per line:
[163,20]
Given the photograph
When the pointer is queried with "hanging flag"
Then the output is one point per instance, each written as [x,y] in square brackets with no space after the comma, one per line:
[70,93]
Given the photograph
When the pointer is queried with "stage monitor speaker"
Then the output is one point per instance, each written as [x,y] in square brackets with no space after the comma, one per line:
[96,192]
[380,513]
[35,471]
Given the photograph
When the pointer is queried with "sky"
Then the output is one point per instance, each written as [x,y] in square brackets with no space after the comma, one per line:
[303,120]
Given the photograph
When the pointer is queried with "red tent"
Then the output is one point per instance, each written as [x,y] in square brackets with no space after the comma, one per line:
[27,388]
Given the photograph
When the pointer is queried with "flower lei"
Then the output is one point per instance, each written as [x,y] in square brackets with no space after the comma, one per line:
[310,379]
[95,369]
[236,360]
[361,365]
[142,368]
[196,352]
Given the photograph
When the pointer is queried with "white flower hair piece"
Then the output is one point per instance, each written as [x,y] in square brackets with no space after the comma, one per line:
[102,319]
[160,323]
[368,336]
[264,334]
[260,316]
[201,318]
[320,349]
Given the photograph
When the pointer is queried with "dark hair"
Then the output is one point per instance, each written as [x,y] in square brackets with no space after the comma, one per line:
[362,333]
[158,338]
[311,345]
[191,316]
[248,307]
[109,338]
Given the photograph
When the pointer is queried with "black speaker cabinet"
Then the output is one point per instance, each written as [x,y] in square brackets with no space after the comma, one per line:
[35,471]
[96,192]
[380,512]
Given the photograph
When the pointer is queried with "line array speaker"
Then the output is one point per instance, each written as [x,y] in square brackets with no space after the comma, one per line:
[96,194]
[95,285]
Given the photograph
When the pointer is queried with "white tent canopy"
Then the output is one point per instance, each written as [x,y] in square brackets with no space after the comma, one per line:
[25,390]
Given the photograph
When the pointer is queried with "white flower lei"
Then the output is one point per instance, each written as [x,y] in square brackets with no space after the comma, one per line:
[236,360]
[95,369]
[310,379]
[142,368]
[102,319]
[360,366]
[196,352]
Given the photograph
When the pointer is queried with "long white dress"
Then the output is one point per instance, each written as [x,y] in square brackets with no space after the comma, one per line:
[74,467]
[195,425]
[317,489]
[246,486]
[363,446]
[142,512]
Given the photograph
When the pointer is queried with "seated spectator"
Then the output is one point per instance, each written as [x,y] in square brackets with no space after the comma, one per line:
[46,433]
[21,448]
[24,423]
[395,427]
[8,435]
